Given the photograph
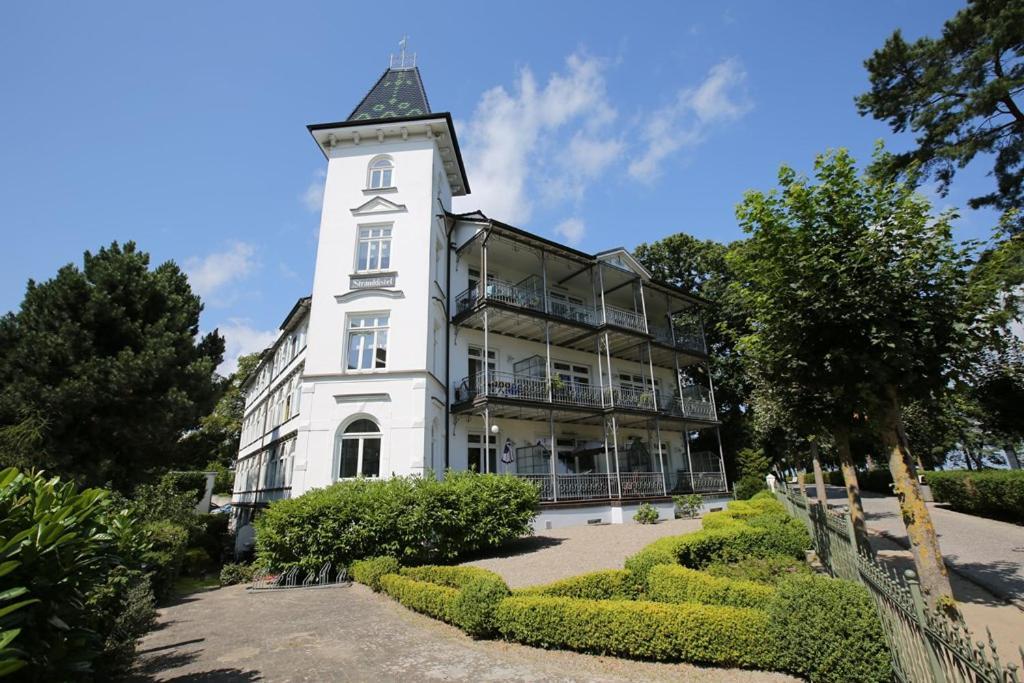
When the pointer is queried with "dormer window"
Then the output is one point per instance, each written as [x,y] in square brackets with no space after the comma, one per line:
[381,173]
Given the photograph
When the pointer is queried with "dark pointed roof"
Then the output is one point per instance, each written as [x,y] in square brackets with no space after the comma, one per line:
[397,94]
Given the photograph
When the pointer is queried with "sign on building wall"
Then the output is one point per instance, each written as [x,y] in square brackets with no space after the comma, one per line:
[371,281]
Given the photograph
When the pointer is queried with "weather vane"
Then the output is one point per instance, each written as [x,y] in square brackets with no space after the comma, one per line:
[404,60]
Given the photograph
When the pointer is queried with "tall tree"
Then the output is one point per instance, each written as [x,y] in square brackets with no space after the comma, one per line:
[216,439]
[960,94]
[856,290]
[103,370]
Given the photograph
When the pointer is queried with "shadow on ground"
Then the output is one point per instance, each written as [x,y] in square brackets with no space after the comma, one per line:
[522,546]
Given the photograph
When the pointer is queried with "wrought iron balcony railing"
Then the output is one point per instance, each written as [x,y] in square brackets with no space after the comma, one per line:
[597,485]
[694,403]
[684,339]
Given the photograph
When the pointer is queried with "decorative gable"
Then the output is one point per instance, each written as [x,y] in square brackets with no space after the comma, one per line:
[378,205]
[622,259]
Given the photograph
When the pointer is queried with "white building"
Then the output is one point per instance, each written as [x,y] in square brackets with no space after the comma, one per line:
[382,372]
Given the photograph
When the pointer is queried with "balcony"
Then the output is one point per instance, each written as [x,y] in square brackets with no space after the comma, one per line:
[528,295]
[510,387]
[597,486]
[258,497]
[683,481]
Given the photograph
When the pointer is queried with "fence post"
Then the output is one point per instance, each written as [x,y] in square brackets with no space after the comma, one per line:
[922,623]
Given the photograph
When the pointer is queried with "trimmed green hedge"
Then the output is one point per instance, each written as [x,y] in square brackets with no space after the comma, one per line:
[876,480]
[414,519]
[989,493]
[610,584]
[423,597]
[828,630]
[370,570]
[466,597]
[770,570]
[672,583]
[452,577]
[707,634]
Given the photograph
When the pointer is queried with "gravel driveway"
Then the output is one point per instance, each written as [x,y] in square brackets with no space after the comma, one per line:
[352,634]
[561,553]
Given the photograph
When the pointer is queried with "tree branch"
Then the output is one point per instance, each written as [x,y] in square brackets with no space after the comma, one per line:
[1008,101]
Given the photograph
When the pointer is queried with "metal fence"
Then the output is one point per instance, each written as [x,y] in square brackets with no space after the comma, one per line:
[926,645]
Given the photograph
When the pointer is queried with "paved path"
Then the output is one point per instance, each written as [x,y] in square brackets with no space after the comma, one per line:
[351,634]
[561,553]
[988,552]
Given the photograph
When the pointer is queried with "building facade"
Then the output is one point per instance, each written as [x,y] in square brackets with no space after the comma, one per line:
[434,340]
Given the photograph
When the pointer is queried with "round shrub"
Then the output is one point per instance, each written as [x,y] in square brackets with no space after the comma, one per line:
[370,570]
[748,485]
[233,573]
[474,606]
[646,514]
[827,629]
[421,596]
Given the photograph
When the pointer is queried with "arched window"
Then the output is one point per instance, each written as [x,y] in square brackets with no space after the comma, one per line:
[381,170]
[357,450]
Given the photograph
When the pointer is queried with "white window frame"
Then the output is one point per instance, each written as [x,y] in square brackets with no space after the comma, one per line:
[361,437]
[382,239]
[476,440]
[380,173]
[376,330]
[571,372]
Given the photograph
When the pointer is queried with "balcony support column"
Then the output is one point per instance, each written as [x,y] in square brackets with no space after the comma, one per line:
[650,367]
[711,389]
[547,355]
[600,284]
[661,455]
[483,287]
[485,465]
[689,460]
[554,455]
[643,306]
[607,460]
[721,457]
[675,354]
[608,357]
[615,442]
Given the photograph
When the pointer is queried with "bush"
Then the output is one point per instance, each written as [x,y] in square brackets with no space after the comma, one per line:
[166,555]
[122,610]
[828,630]
[427,598]
[753,528]
[672,583]
[706,634]
[989,493]
[475,605]
[370,570]
[233,573]
[65,600]
[688,505]
[646,514]
[191,483]
[611,584]
[748,485]
[196,562]
[770,570]
[415,519]
[224,482]
[453,577]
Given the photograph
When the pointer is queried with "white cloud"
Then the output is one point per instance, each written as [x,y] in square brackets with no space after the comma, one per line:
[240,338]
[549,139]
[719,98]
[210,274]
[571,230]
[313,197]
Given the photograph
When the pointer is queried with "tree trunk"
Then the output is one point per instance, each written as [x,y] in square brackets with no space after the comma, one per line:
[800,482]
[967,457]
[1011,456]
[841,434]
[924,543]
[819,478]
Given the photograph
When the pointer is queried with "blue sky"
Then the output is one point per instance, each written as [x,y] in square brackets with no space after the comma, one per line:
[182,125]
